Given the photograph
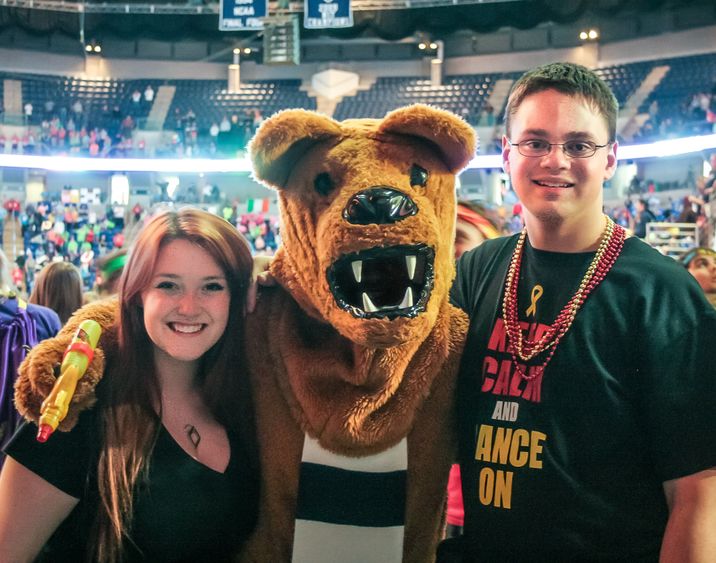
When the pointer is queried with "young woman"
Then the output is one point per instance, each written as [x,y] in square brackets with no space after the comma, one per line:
[59,287]
[164,468]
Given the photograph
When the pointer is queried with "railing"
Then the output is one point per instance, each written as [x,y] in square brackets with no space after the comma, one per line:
[209,8]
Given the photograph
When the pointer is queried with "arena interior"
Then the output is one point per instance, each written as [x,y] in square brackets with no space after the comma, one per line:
[113,109]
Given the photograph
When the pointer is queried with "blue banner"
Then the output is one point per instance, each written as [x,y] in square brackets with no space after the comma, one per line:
[242,14]
[319,14]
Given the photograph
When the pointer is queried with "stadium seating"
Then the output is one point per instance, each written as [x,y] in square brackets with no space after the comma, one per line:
[687,76]
[111,99]
[462,94]
[210,101]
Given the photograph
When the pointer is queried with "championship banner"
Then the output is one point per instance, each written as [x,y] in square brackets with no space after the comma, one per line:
[242,14]
[320,14]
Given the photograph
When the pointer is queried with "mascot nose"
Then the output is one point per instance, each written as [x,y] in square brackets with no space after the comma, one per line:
[378,205]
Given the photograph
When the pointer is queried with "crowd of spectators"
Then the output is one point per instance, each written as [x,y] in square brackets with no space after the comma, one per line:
[224,139]
[637,212]
[55,231]
[696,116]
[70,233]
[112,134]
[644,204]
[109,132]
[72,133]
[81,128]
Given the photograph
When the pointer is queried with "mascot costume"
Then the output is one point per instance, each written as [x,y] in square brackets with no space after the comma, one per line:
[353,356]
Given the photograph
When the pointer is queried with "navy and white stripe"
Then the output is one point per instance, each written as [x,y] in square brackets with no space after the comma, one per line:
[350,509]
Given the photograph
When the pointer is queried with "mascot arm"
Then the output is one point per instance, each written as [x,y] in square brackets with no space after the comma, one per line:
[37,373]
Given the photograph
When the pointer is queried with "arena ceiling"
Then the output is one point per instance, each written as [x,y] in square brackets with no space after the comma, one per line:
[394,20]
[378,20]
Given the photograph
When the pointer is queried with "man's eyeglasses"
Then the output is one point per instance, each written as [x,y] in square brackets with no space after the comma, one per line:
[573,149]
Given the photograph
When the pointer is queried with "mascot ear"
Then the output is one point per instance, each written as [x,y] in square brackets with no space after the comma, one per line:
[283,139]
[455,139]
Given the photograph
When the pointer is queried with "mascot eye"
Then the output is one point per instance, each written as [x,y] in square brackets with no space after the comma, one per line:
[418,176]
[323,183]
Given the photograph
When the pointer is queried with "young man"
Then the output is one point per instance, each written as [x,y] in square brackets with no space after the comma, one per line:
[587,391]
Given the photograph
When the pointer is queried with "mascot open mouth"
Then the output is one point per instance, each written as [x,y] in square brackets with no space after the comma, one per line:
[385,282]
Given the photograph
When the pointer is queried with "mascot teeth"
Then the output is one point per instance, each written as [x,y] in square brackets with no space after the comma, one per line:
[357,270]
[407,299]
[368,305]
[410,263]
[388,282]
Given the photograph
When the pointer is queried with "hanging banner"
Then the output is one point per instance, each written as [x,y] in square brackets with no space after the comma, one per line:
[242,14]
[320,14]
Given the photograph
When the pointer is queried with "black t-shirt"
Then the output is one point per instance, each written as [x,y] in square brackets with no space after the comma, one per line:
[184,511]
[570,466]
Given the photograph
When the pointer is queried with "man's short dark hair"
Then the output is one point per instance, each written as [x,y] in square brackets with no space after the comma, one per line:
[570,79]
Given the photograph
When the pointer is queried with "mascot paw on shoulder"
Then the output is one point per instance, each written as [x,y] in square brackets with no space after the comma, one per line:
[353,356]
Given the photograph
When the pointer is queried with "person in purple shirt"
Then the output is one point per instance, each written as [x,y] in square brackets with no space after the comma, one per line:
[22,325]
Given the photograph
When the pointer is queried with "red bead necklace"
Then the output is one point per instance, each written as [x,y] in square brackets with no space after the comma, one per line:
[523,349]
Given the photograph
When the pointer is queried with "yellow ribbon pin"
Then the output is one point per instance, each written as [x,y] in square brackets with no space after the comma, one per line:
[537,292]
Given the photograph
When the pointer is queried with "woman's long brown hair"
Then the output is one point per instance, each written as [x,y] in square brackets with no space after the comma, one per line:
[59,287]
[131,393]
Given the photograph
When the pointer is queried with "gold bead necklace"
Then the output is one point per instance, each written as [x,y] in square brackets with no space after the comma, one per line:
[522,348]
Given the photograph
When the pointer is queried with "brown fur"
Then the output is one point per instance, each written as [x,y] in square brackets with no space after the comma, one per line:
[37,372]
[357,385]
